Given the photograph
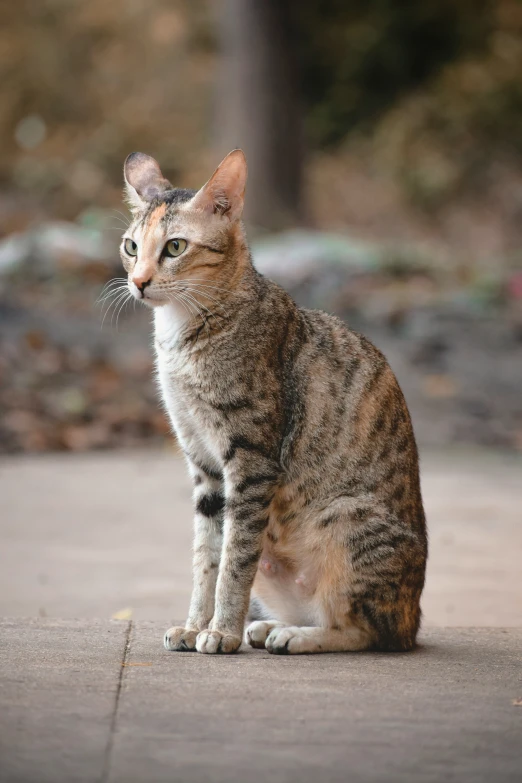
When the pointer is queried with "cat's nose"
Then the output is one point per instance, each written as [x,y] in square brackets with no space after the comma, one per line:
[141,282]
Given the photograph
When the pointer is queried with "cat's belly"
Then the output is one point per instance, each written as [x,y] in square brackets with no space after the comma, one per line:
[288,576]
[285,593]
[303,564]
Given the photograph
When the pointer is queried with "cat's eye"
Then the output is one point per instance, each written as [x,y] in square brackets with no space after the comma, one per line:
[175,247]
[131,248]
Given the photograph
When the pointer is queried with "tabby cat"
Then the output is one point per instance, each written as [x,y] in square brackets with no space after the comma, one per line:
[295,431]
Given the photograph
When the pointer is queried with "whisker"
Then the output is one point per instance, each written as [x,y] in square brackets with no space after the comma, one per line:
[111,304]
[112,281]
[192,290]
[204,282]
[195,301]
[197,290]
[205,285]
[190,294]
[122,307]
[187,286]
[204,321]
[112,295]
[126,218]
[119,220]
[119,295]
[109,294]
[190,304]
[215,303]
[116,311]
[180,300]
[206,308]
[107,289]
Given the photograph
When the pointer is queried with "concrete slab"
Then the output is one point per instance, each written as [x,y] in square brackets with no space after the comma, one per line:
[444,712]
[59,682]
[69,710]
[89,535]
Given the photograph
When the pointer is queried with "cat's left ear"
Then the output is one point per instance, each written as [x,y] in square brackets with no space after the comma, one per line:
[143,180]
[224,193]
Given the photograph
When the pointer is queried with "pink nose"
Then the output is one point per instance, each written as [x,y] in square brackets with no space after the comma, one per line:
[141,281]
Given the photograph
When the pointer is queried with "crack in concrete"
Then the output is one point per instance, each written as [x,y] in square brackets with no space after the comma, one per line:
[114,718]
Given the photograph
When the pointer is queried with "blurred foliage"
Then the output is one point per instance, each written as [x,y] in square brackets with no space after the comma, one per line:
[357,58]
[413,115]
[84,83]
[432,87]
[464,128]
[428,93]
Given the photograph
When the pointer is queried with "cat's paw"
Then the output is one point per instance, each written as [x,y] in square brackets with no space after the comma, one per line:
[289,640]
[257,632]
[212,642]
[179,639]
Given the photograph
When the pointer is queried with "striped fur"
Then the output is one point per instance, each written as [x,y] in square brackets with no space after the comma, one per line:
[296,434]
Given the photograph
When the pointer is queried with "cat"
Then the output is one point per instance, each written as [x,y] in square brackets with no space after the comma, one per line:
[296,434]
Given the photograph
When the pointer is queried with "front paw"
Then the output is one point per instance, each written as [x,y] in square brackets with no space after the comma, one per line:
[212,642]
[179,639]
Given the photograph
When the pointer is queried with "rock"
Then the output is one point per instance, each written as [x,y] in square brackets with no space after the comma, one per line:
[54,246]
[295,255]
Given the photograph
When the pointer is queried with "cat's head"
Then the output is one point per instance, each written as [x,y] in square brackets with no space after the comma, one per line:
[181,243]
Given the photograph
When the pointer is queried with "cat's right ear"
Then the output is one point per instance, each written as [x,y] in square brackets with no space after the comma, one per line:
[224,193]
[143,180]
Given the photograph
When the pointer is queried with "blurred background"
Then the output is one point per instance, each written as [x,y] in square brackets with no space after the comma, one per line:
[384,142]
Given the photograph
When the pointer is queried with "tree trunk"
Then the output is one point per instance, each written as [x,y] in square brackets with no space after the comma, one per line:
[258,108]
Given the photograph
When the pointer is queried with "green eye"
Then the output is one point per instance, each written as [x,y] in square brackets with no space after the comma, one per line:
[175,247]
[131,248]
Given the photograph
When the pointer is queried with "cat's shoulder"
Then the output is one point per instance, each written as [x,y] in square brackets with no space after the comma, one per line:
[323,325]
[328,333]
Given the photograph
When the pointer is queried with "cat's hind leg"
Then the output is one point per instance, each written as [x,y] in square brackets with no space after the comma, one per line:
[366,573]
[296,640]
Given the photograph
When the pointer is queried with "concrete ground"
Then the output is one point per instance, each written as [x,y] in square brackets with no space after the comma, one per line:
[100,700]
[90,536]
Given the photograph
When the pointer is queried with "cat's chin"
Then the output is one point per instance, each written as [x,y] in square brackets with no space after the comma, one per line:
[149,301]
[153,302]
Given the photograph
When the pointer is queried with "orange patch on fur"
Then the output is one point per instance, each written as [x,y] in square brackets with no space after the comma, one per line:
[147,264]
[155,218]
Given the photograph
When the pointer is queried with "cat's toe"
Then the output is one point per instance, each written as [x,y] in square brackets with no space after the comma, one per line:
[215,642]
[179,639]
[257,632]
[286,641]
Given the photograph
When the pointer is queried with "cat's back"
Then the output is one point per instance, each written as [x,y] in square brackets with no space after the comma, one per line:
[351,428]
[315,335]
[340,364]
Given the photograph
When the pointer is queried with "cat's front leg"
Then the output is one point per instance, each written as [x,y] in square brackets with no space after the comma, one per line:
[249,491]
[208,536]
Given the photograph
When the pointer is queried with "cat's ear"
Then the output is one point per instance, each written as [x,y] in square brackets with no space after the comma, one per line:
[224,193]
[143,180]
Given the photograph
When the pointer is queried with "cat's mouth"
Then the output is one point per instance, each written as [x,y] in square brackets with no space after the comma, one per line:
[146,296]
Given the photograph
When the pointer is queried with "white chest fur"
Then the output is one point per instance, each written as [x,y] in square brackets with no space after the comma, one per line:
[177,376]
